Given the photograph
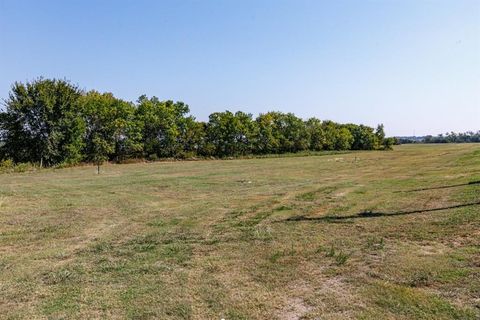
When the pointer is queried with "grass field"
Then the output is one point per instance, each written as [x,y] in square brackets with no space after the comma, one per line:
[392,235]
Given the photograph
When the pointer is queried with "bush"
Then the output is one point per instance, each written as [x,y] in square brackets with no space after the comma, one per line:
[6,165]
[23,167]
[152,157]
[184,155]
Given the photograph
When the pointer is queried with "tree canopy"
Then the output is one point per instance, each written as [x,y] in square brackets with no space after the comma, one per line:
[42,123]
[52,122]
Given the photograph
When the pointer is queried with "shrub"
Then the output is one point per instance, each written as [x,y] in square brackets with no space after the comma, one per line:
[23,167]
[6,165]
[152,157]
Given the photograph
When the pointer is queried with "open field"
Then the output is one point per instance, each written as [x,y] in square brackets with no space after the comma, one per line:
[393,235]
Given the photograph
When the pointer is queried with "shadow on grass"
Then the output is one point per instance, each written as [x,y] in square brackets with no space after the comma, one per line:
[373,214]
[441,187]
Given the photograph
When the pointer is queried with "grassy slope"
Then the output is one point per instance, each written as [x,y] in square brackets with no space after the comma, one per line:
[211,239]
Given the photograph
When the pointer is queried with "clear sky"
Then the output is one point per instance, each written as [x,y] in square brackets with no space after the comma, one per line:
[412,65]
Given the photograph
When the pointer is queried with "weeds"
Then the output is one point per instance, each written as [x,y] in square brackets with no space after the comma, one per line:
[180,240]
[375,243]
[341,258]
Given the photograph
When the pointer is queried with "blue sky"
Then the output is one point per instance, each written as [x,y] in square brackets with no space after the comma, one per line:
[412,65]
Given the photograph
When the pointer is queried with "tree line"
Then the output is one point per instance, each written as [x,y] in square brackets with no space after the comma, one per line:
[51,122]
[453,137]
[449,137]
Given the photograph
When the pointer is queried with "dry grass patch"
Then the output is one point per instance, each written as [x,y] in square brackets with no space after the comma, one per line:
[288,238]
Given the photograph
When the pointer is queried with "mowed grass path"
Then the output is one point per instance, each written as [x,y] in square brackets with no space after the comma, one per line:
[247,239]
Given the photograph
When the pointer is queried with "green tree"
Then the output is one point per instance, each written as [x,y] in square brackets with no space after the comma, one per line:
[231,134]
[101,148]
[388,143]
[380,137]
[315,132]
[192,137]
[364,137]
[329,133]
[336,136]
[42,123]
[163,123]
[112,131]
[281,132]
[267,135]
[343,138]
[294,135]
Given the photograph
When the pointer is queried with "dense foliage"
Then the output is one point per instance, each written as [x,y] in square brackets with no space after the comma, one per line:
[52,122]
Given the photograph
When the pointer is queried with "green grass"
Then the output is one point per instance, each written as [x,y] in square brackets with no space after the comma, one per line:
[274,238]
